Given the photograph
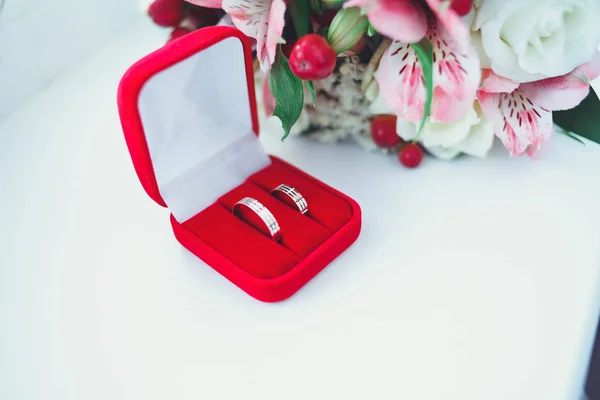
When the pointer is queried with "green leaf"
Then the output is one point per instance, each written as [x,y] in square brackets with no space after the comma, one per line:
[287,90]
[311,89]
[424,51]
[569,134]
[371,30]
[316,6]
[583,120]
[299,10]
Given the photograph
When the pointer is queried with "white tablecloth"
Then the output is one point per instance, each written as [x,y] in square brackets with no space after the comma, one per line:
[474,279]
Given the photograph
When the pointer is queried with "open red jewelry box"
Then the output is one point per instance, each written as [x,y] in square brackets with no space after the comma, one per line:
[189,117]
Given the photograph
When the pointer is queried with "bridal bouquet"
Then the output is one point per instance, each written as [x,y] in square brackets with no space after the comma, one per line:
[446,76]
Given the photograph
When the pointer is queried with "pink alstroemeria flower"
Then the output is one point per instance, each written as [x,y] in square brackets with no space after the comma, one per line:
[456,78]
[522,114]
[408,20]
[262,20]
[268,100]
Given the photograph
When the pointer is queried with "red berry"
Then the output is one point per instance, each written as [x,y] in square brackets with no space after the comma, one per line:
[201,16]
[166,12]
[312,58]
[383,131]
[411,155]
[462,7]
[177,33]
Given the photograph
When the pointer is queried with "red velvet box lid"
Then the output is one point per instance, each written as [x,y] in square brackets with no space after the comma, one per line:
[207,72]
[188,113]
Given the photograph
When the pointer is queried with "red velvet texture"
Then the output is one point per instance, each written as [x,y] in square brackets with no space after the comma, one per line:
[251,249]
[266,270]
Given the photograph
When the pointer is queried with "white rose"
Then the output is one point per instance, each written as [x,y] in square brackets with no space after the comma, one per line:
[528,40]
[473,135]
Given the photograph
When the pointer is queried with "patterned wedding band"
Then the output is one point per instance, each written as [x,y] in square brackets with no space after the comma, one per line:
[262,212]
[292,194]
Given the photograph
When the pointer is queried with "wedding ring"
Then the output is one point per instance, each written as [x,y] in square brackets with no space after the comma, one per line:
[285,191]
[262,212]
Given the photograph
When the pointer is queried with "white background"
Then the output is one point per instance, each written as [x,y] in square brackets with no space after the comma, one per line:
[470,280]
[41,40]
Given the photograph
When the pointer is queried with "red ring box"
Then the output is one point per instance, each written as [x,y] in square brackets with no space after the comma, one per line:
[188,112]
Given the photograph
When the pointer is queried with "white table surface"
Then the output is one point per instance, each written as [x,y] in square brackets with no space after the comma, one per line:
[475,279]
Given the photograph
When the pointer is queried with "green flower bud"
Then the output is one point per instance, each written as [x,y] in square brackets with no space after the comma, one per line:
[347,28]
[332,3]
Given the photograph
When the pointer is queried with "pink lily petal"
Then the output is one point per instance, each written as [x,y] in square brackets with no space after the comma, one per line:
[455,27]
[564,92]
[492,83]
[542,150]
[246,16]
[490,105]
[268,99]
[519,123]
[207,3]
[266,51]
[455,80]
[262,20]
[532,123]
[402,20]
[523,117]
[560,93]
[401,82]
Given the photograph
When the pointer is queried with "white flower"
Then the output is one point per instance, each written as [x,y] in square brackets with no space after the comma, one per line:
[529,40]
[378,106]
[473,134]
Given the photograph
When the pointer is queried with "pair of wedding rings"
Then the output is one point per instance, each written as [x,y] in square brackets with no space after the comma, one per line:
[284,192]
